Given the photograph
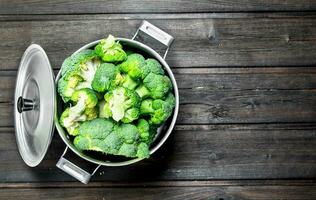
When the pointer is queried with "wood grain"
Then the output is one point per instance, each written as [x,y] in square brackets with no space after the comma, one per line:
[165,183]
[193,152]
[209,193]
[148,6]
[201,40]
[234,95]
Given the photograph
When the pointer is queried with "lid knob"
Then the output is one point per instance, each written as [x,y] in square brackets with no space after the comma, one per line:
[25,104]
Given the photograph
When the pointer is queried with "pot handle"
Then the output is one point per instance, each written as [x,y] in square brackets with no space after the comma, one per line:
[155,33]
[73,170]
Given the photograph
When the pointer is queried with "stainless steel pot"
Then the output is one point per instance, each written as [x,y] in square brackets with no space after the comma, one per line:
[163,132]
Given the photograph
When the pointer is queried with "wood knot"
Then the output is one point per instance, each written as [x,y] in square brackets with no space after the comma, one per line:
[212,35]
[212,156]
[218,111]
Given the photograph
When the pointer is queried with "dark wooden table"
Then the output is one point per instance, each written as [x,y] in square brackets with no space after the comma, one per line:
[247,79]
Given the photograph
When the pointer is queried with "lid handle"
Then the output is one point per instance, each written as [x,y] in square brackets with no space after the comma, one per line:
[25,104]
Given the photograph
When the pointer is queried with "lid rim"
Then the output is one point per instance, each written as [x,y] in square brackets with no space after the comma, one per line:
[20,132]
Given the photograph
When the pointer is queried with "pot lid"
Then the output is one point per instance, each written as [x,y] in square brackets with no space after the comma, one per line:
[34,105]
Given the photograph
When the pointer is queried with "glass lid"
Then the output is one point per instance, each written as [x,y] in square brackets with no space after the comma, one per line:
[34,105]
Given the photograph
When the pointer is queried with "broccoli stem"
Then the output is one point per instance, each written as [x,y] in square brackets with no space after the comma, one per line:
[146,107]
[142,91]
[75,113]
[88,69]
[129,83]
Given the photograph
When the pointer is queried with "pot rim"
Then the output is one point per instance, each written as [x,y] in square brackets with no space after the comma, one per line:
[141,46]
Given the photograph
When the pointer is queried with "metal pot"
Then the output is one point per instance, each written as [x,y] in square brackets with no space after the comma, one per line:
[36,105]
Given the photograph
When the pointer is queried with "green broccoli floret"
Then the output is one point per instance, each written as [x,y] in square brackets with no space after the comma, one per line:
[105,136]
[84,98]
[91,113]
[77,72]
[153,66]
[111,144]
[130,115]
[143,128]
[107,76]
[143,150]
[170,99]
[147,132]
[67,86]
[84,143]
[128,132]
[133,65]
[118,101]
[67,65]
[128,150]
[110,50]
[84,109]
[71,63]
[84,64]
[155,86]
[70,121]
[91,135]
[131,146]
[157,109]
[96,129]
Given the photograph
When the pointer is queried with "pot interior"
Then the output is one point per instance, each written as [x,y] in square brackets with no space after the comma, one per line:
[162,133]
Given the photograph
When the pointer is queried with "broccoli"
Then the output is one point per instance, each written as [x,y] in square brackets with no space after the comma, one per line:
[118,101]
[153,66]
[101,110]
[84,98]
[155,86]
[106,136]
[71,121]
[70,64]
[106,77]
[128,133]
[91,113]
[131,146]
[133,65]
[147,132]
[170,99]
[83,63]
[128,150]
[92,135]
[84,109]
[130,115]
[157,109]
[110,50]
[67,86]
[96,129]
[77,72]
[111,144]
[142,150]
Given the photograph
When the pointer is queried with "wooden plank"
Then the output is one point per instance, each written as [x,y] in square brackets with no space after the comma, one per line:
[233,95]
[209,41]
[165,183]
[216,193]
[194,152]
[147,6]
